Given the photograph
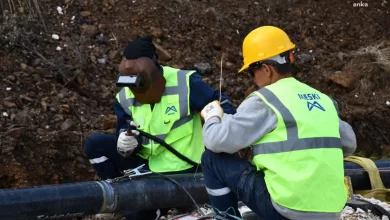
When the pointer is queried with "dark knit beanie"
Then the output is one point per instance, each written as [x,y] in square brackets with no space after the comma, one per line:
[141,47]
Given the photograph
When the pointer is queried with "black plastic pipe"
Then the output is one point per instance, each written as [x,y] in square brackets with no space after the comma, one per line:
[359,177]
[81,199]
[139,193]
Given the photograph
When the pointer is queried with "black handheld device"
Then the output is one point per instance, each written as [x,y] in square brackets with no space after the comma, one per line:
[132,81]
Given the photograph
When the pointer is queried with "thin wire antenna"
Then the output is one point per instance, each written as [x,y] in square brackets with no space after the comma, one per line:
[220,82]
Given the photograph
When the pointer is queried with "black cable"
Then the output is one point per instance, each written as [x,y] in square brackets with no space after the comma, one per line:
[182,188]
[169,147]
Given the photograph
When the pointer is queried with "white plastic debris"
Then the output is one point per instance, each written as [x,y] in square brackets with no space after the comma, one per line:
[59,9]
[102,60]
[55,36]
[8,89]
[244,209]
[58,48]
[310,51]
[359,210]
[73,17]
[356,96]
[387,103]
[5,114]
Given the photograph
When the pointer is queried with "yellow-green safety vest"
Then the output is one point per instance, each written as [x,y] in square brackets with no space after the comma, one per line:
[302,157]
[171,120]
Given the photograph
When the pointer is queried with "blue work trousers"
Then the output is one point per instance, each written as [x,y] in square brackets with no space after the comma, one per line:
[229,178]
[102,153]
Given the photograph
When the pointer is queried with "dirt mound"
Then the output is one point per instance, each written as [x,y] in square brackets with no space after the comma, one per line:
[361,88]
[58,68]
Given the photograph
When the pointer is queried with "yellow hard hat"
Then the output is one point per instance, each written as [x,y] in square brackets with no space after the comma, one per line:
[264,42]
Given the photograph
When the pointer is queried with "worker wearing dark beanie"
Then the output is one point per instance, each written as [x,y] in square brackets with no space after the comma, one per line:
[176,115]
[141,47]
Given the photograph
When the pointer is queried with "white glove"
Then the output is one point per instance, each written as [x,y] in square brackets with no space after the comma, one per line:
[213,109]
[126,143]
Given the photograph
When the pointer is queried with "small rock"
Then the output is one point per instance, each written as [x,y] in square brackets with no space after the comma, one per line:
[41,131]
[11,78]
[22,117]
[44,105]
[89,30]
[81,166]
[162,53]
[15,132]
[9,104]
[309,43]
[346,80]
[101,38]
[296,12]
[23,66]
[341,55]
[211,14]
[55,36]
[157,32]
[21,10]
[60,96]
[229,65]
[67,124]
[8,149]
[36,61]
[243,8]
[299,75]
[59,10]
[305,58]
[80,159]
[106,95]
[113,55]
[203,68]
[85,13]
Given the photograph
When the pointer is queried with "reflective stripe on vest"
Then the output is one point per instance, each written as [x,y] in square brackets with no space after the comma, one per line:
[181,90]
[293,142]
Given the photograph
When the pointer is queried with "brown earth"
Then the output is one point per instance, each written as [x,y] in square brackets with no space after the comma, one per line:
[51,100]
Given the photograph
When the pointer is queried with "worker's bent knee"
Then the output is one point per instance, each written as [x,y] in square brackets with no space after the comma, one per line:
[93,142]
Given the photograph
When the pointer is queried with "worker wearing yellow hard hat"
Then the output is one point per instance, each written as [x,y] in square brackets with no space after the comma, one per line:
[298,141]
[264,43]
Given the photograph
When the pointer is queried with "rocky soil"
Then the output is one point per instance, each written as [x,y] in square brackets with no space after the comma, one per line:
[59,58]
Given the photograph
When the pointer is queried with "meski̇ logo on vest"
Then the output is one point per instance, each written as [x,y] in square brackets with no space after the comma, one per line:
[311,104]
[170,110]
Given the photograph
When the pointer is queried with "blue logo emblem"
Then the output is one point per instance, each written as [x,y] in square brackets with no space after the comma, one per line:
[170,110]
[310,105]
